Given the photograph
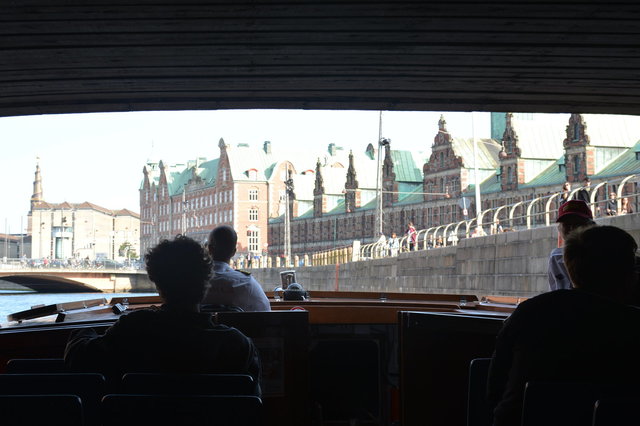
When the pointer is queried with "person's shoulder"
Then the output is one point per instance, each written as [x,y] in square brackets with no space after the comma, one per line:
[243,272]
[558,251]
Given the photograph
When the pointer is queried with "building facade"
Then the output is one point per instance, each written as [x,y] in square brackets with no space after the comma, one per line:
[528,156]
[80,230]
[332,194]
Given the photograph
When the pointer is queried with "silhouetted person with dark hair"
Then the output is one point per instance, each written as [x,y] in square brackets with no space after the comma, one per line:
[228,286]
[588,334]
[175,338]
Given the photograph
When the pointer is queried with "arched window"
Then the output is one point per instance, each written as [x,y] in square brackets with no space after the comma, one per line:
[576,131]
[509,175]
[441,159]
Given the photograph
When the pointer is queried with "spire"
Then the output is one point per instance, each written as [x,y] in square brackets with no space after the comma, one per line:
[37,186]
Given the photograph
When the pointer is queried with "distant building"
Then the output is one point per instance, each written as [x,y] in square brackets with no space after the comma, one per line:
[66,230]
[14,246]
[332,198]
[529,156]
[240,188]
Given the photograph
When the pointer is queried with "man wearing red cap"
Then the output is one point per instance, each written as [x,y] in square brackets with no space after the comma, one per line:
[571,215]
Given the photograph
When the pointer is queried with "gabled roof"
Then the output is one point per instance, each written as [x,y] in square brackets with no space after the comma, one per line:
[625,164]
[612,130]
[488,150]
[126,212]
[405,166]
[244,157]
[541,135]
[552,175]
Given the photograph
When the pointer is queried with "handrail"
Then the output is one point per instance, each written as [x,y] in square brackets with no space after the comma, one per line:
[528,219]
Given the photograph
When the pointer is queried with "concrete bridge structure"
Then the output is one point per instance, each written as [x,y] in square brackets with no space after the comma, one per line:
[78,281]
[507,264]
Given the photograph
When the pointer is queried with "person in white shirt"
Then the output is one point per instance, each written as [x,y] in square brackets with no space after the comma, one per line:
[229,286]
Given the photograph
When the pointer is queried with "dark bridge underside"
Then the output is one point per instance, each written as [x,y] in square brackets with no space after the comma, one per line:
[59,56]
[50,284]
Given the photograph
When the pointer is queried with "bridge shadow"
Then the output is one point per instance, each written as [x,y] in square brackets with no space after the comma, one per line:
[50,284]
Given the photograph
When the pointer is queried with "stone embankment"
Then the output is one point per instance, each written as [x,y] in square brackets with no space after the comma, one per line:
[508,264]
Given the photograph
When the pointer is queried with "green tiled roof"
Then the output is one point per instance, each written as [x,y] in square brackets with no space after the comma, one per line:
[552,175]
[410,193]
[626,164]
[405,168]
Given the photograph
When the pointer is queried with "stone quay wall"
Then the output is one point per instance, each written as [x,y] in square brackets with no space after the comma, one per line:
[507,264]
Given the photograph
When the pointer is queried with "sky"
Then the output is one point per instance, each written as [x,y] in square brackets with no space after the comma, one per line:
[99,157]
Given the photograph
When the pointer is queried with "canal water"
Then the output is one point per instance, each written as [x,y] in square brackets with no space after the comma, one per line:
[15,301]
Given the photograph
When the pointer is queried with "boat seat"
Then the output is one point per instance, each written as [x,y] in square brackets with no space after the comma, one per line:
[479,412]
[184,410]
[621,411]
[39,410]
[89,387]
[39,365]
[194,384]
[559,404]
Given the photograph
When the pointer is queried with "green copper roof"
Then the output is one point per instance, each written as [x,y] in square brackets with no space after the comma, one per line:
[626,164]
[552,175]
[405,168]
[410,193]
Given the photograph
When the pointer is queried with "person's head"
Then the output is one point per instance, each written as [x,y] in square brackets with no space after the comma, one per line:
[602,260]
[222,243]
[625,201]
[566,186]
[393,235]
[587,182]
[410,224]
[180,269]
[612,195]
[572,215]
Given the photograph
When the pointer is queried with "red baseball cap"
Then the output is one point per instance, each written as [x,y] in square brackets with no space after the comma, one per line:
[574,208]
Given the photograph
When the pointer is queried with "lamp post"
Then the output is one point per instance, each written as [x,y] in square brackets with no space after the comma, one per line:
[382,142]
[288,184]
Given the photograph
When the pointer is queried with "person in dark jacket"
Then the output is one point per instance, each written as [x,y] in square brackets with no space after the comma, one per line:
[588,334]
[174,338]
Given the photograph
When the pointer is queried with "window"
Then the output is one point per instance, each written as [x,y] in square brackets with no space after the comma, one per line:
[224,174]
[253,214]
[576,165]
[254,240]
[253,194]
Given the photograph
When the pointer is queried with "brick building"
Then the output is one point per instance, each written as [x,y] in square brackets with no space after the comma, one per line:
[528,156]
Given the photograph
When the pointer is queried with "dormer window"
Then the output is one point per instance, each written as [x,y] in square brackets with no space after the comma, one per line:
[252,174]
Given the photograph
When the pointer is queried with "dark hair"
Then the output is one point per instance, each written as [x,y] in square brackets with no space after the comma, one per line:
[601,259]
[179,268]
[222,243]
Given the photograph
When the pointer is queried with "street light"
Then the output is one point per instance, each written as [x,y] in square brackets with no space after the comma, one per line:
[383,142]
